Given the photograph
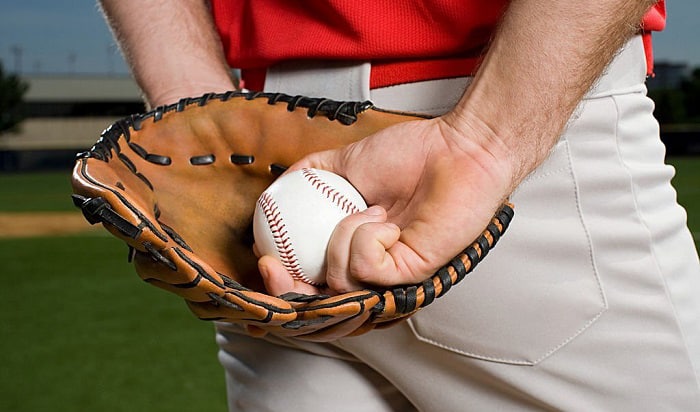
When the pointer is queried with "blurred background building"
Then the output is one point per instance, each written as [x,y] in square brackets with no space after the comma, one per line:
[668,75]
[65,114]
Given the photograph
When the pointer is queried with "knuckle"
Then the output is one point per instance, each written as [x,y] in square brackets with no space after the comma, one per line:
[361,269]
[347,225]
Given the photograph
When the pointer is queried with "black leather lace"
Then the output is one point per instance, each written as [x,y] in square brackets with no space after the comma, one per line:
[345,112]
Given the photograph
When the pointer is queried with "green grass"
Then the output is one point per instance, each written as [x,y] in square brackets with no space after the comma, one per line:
[25,192]
[81,332]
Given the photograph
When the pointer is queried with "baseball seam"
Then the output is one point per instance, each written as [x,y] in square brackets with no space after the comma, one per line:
[281,238]
[337,198]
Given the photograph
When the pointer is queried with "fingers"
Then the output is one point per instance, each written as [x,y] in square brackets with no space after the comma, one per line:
[372,228]
[366,233]
[371,260]
[278,281]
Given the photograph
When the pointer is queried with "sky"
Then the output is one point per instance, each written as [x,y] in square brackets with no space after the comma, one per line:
[70,36]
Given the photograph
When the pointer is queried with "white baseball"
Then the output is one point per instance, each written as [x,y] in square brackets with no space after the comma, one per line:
[295,217]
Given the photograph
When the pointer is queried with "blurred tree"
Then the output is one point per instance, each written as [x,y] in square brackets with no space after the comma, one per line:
[681,103]
[12,90]
[690,88]
[669,105]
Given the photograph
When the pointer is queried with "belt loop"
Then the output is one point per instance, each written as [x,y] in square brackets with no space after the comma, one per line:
[332,80]
[432,97]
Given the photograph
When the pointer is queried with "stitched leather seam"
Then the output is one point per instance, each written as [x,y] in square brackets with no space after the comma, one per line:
[337,198]
[281,238]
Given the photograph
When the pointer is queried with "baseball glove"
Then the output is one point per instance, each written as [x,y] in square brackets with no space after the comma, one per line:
[179,185]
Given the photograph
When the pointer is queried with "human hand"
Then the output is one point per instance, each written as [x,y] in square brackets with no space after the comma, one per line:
[434,185]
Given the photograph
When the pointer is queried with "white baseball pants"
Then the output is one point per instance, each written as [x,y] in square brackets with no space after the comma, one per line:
[590,302]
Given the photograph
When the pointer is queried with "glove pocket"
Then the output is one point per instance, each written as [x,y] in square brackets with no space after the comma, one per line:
[536,291]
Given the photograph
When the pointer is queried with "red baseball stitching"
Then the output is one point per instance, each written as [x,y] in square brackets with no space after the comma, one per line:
[338,199]
[282,241]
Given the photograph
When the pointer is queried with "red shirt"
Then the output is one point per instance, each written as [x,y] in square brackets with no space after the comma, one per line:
[405,40]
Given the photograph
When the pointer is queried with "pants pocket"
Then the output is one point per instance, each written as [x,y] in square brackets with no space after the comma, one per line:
[536,291]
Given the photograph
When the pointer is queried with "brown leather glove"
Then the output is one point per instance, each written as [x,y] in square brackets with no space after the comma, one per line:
[179,185]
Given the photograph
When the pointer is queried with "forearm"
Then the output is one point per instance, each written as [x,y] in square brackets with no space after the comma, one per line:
[542,61]
[170,46]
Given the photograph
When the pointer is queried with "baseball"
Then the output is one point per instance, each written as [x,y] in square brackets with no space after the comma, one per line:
[295,217]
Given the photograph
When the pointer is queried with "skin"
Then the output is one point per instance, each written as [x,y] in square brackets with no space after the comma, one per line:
[450,172]
[171,47]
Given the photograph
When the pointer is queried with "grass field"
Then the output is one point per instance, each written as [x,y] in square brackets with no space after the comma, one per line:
[81,332]
[50,191]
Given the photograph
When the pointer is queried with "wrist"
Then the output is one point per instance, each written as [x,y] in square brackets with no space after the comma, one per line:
[491,149]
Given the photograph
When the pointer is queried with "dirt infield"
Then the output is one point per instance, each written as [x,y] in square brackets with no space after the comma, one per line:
[31,224]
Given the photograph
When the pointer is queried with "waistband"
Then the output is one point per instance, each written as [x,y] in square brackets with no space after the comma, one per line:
[386,73]
[352,81]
